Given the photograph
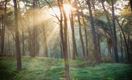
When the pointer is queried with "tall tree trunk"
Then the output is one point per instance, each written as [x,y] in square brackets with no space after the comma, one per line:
[85,32]
[129,56]
[125,40]
[96,48]
[17,41]
[35,45]
[81,36]
[109,42]
[2,36]
[63,37]
[61,27]
[34,42]
[65,50]
[3,28]
[9,46]
[30,42]
[80,29]
[45,42]
[86,37]
[114,36]
[121,48]
[75,54]
[23,44]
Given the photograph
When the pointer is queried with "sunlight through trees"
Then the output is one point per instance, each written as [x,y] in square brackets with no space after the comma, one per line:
[91,31]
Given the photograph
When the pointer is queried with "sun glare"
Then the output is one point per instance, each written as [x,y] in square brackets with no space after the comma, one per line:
[67,8]
[55,10]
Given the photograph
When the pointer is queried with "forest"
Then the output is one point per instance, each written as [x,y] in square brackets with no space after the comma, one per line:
[65,39]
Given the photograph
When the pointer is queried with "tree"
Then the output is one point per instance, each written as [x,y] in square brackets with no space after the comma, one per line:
[65,46]
[75,54]
[45,41]
[23,43]
[114,36]
[130,4]
[33,33]
[2,35]
[109,29]
[3,19]
[80,29]
[94,35]
[17,41]
[63,35]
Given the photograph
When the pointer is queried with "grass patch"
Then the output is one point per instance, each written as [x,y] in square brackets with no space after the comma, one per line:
[40,68]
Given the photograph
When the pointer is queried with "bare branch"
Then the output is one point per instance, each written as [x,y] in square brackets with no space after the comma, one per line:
[52,10]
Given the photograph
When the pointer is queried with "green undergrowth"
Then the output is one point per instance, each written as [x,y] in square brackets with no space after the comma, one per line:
[40,68]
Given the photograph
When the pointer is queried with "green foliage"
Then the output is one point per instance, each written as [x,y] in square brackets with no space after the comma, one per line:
[52,69]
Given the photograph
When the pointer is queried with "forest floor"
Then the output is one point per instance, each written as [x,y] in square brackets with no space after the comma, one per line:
[53,69]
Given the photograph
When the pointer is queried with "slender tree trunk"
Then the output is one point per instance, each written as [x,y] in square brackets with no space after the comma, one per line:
[2,36]
[63,37]
[34,42]
[75,54]
[80,29]
[18,50]
[114,34]
[33,31]
[107,16]
[30,42]
[65,45]
[98,42]
[9,46]
[86,38]
[61,27]
[81,37]
[96,48]
[23,44]
[130,49]
[121,48]
[86,34]
[109,42]
[65,50]
[45,42]
[3,28]
[125,40]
